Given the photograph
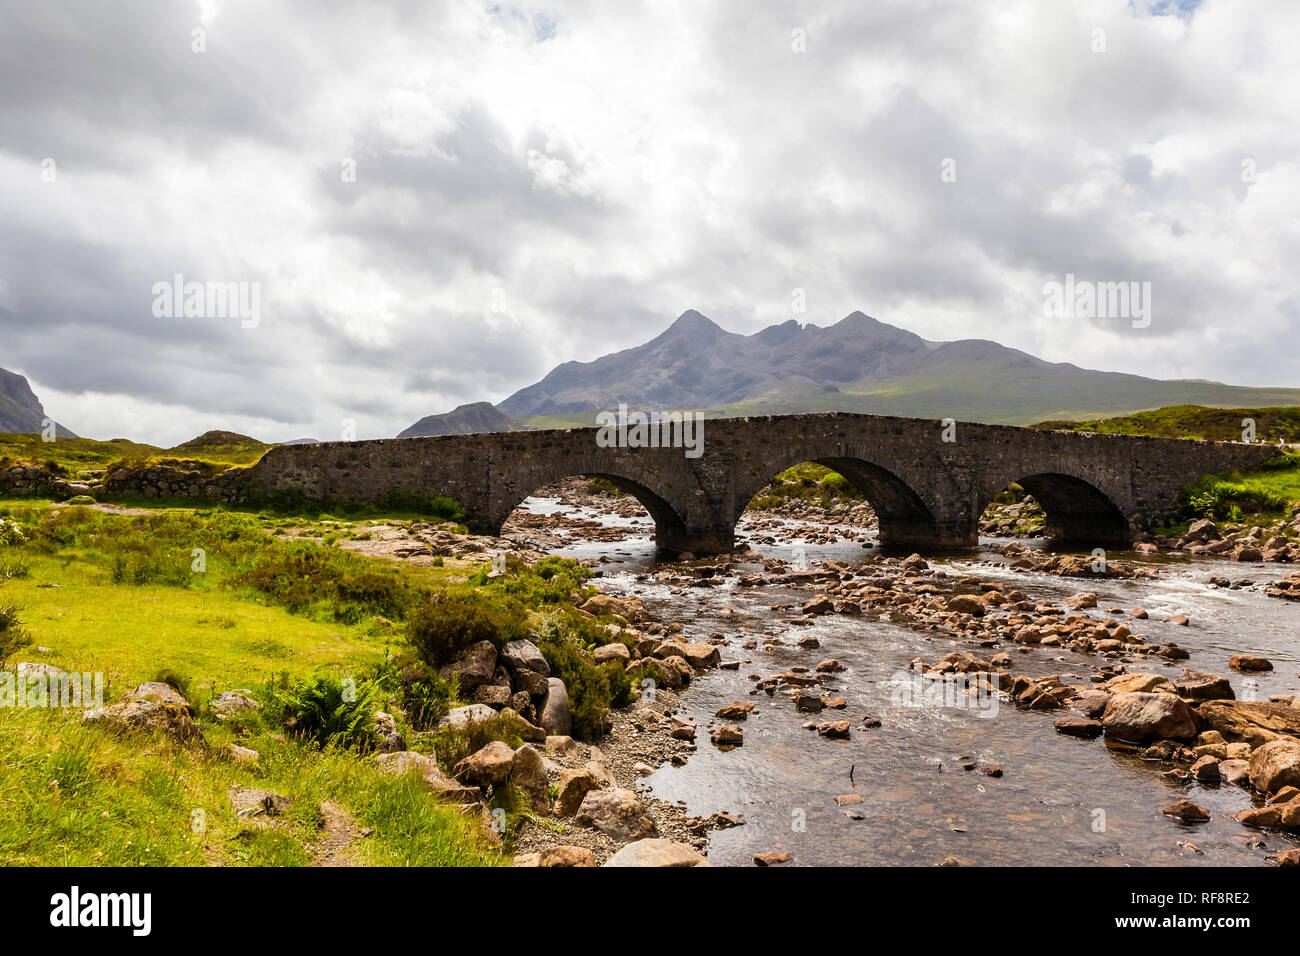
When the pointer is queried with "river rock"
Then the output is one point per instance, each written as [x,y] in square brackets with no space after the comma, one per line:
[1275,765]
[1187,812]
[1244,662]
[727,736]
[1078,727]
[1139,683]
[1252,721]
[1236,772]
[555,717]
[616,813]
[573,787]
[1197,686]
[1143,717]
[566,856]
[735,711]
[834,729]
[1206,769]
[966,604]
[657,853]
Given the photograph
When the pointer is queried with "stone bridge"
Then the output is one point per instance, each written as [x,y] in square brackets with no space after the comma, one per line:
[1097,490]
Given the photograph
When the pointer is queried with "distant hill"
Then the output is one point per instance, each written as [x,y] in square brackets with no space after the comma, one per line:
[21,412]
[475,418]
[856,365]
[1196,421]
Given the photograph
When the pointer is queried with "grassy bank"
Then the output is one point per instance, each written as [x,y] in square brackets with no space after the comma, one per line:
[212,601]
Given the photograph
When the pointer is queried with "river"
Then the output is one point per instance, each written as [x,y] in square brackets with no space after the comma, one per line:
[1058,800]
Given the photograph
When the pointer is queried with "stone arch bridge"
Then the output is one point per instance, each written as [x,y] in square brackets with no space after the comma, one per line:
[1097,490]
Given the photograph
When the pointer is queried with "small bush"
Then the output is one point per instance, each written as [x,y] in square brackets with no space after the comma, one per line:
[448,623]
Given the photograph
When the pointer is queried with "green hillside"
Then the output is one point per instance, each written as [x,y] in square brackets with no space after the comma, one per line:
[1195,421]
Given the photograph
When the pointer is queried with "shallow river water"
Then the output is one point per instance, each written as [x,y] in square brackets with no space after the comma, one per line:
[1059,800]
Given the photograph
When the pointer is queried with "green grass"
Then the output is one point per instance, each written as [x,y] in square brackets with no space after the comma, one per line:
[77,795]
[806,482]
[1272,491]
[1194,421]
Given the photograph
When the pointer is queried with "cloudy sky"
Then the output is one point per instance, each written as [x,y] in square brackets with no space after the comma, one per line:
[441,201]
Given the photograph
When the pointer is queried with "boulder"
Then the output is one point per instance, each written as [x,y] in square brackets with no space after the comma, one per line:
[555,717]
[630,609]
[437,783]
[1248,664]
[521,655]
[1143,717]
[232,702]
[151,707]
[488,767]
[389,738]
[529,775]
[474,665]
[614,651]
[658,853]
[469,714]
[616,813]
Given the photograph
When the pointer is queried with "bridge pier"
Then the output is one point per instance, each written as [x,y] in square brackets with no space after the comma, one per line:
[679,539]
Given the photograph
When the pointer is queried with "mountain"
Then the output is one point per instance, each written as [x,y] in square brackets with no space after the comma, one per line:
[856,365]
[21,412]
[475,418]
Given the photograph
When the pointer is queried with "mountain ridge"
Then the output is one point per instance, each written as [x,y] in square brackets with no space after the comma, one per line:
[858,364]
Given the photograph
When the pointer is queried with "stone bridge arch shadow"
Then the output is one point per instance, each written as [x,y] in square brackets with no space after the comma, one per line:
[1077,512]
[907,521]
[670,528]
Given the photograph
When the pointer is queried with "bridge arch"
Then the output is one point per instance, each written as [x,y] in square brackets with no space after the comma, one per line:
[906,519]
[1076,510]
[670,528]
